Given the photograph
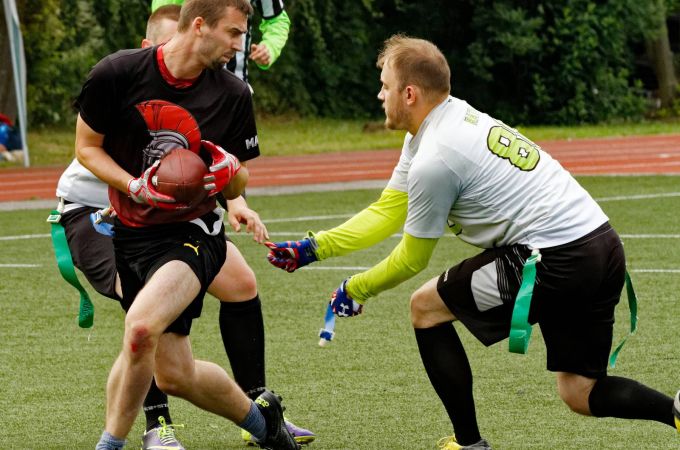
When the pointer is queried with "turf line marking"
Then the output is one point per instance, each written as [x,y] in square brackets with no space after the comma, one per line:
[305,218]
[315,267]
[637,197]
[19,266]
[23,236]
[450,235]
[347,268]
[601,199]
[656,270]
[650,236]
[302,233]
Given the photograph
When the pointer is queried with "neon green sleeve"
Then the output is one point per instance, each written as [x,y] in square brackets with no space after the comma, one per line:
[155,4]
[374,224]
[407,259]
[274,36]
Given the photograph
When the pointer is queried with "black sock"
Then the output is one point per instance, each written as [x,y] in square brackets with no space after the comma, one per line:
[155,406]
[627,399]
[242,330]
[449,371]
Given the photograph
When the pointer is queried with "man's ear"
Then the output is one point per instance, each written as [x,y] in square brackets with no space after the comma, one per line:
[146,43]
[197,25]
[411,93]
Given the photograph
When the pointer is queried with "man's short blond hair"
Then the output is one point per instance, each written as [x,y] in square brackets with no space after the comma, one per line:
[153,25]
[211,11]
[417,62]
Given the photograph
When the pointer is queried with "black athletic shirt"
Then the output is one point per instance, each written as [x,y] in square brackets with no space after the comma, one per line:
[141,116]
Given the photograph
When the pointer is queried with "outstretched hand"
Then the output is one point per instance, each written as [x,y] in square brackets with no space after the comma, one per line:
[291,255]
[342,304]
[240,214]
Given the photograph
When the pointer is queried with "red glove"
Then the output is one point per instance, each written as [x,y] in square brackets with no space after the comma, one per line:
[224,167]
[142,190]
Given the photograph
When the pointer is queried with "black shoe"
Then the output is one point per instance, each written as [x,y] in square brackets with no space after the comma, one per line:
[278,436]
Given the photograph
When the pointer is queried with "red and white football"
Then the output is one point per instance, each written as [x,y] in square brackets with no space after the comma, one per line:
[180,175]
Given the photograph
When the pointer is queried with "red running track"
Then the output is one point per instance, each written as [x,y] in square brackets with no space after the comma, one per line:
[628,155]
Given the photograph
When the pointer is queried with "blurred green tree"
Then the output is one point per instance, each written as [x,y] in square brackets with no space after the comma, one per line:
[63,39]
[535,61]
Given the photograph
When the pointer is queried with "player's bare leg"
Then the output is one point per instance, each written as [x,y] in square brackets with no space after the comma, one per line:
[575,390]
[235,282]
[202,383]
[613,396]
[169,291]
[428,308]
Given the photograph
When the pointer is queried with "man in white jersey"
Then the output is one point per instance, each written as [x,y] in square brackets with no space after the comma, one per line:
[81,194]
[466,171]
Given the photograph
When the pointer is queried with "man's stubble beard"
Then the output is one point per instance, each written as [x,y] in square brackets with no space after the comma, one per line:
[398,121]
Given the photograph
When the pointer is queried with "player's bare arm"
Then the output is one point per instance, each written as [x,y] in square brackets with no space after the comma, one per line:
[237,185]
[92,155]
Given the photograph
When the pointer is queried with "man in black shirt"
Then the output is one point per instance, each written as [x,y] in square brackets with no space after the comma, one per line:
[134,107]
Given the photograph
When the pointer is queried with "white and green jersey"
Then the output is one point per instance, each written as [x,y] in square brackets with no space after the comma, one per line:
[82,188]
[490,185]
[274,26]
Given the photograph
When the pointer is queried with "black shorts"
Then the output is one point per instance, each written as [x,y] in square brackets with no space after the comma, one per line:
[578,286]
[92,252]
[141,251]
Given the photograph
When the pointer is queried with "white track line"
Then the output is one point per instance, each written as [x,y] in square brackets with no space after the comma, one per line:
[307,218]
[302,233]
[23,236]
[656,270]
[21,266]
[358,268]
[449,235]
[650,236]
[637,197]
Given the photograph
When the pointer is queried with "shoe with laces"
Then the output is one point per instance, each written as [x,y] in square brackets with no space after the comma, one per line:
[161,437]
[676,411]
[278,436]
[301,435]
[449,443]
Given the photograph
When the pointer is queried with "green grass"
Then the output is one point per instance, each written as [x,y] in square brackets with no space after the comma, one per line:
[296,136]
[543,133]
[367,390]
[277,136]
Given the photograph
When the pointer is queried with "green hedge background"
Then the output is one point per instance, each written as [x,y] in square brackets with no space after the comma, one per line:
[530,62]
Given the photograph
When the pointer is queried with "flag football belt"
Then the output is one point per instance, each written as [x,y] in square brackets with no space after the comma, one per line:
[327,333]
[66,268]
[520,329]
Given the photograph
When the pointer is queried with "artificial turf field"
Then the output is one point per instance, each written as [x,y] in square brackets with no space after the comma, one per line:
[367,390]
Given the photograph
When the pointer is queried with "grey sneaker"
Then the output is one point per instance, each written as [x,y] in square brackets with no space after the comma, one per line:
[278,436]
[162,437]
